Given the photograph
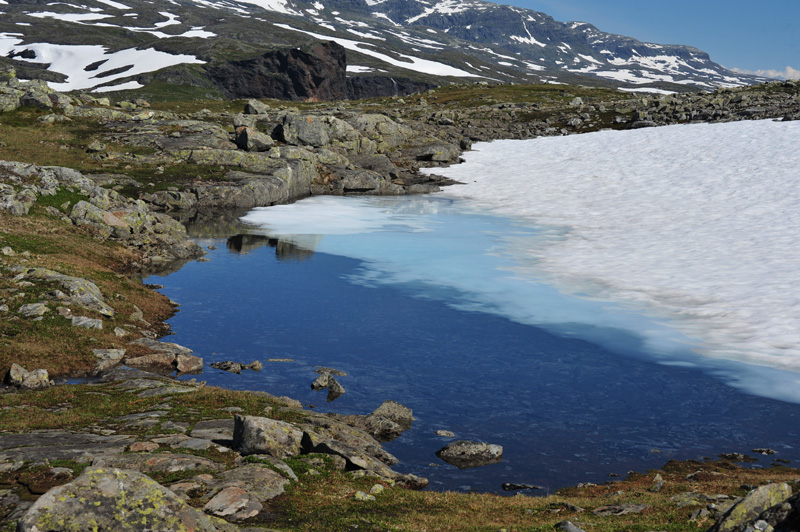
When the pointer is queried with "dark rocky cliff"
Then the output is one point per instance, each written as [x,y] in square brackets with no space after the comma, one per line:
[318,74]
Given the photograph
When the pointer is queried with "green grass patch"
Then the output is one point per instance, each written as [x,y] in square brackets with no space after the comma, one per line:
[63,196]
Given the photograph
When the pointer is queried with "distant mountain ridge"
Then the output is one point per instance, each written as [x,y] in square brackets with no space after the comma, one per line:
[391,45]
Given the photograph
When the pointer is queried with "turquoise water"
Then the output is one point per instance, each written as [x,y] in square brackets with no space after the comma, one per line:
[425,305]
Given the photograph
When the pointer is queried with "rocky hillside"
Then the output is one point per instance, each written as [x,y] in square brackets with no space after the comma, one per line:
[249,48]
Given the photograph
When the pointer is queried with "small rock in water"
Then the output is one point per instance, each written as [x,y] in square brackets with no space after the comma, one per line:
[510,486]
[445,434]
[321,382]
[330,371]
[464,454]
[335,390]
[255,365]
[736,457]
[765,451]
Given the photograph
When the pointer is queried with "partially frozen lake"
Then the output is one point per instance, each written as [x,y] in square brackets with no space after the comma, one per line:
[594,303]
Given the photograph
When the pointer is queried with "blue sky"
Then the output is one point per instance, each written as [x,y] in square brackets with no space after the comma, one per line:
[749,35]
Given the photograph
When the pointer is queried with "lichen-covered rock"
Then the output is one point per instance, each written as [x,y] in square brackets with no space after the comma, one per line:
[783,517]
[439,152]
[388,421]
[300,130]
[255,107]
[259,435]
[234,504]
[249,139]
[113,499]
[107,358]
[261,482]
[464,454]
[382,130]
[749,508]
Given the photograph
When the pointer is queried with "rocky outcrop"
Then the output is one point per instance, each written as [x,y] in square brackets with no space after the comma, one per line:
[104,213]
[317,74]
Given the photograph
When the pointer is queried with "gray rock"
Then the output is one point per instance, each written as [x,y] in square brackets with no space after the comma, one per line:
[218,430]
[749,508]
[259,435]
[301,130]
[620,509]
[464,454]
[108,358]
[249,139]
[157,462]
[28,380]
[568,526]
[388,421]
[188,364]
[61,445]
[439,152]
[33,310]
[16,374]
[103,499]
[87,323]
[260,482]
[255,107]
[82,292]
[233,504]
[335,390]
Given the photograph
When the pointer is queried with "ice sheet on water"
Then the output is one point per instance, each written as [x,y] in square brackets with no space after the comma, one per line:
[694,223]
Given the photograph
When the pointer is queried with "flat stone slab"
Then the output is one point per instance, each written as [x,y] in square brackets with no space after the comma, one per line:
[166,390]
[181,441]
[217,430]
[158,462]
[62,445]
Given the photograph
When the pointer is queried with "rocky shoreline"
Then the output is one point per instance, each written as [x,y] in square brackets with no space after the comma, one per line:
[230,466]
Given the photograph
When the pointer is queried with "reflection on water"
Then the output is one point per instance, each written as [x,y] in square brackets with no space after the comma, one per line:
[284,250]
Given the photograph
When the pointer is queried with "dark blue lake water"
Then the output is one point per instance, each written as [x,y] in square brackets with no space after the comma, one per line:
[569,403]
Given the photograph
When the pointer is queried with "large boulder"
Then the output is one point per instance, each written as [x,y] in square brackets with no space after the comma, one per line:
[751,506]
[260,435]
[249,139]
[114,499]
[301,130]
[382,130]
[784,516]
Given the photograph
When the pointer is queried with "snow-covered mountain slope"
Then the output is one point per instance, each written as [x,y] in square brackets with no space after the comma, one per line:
[109,44]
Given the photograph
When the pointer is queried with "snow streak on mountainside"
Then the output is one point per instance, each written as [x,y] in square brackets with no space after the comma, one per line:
[447,38]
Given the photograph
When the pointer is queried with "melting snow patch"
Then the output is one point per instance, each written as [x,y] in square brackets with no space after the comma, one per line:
[696,224]
[70,17]
[115,5]
[279,6]
[413,63]
[72,61]
[130,85]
